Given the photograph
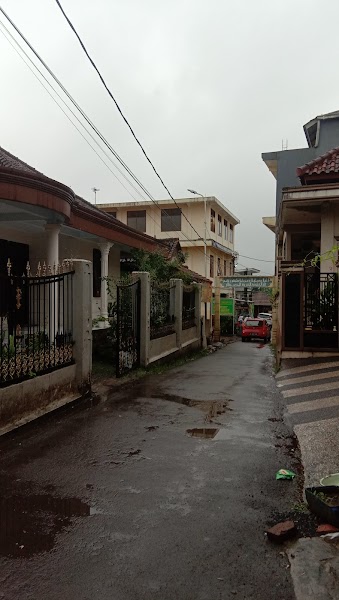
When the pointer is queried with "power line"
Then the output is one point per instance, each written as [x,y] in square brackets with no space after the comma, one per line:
[112,97]
[120,160]
[258,259]
[65,113]
[120,111]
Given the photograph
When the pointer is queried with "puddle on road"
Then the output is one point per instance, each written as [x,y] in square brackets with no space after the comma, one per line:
[29,524]
[204,432]
[212,408]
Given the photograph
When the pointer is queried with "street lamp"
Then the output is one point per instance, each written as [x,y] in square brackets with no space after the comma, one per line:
[205,228]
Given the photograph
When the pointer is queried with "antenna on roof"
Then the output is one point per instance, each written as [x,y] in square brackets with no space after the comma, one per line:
[284,144]
[95,190]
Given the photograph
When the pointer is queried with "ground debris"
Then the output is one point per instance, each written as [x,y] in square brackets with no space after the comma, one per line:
[152,427]
[281,531]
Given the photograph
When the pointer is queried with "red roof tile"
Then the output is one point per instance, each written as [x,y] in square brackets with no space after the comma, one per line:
[327,163]
[9,161]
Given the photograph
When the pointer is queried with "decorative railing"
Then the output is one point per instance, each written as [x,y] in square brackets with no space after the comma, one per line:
[36,321]
[188,307]
[161,311]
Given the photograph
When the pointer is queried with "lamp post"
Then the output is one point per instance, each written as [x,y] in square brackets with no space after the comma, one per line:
[205,228]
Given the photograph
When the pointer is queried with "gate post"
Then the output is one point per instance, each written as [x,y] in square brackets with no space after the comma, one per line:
[145,315]
[178,291]
[82,322]
[216,328]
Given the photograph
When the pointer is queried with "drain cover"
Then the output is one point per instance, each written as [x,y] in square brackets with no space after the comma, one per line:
[204,432]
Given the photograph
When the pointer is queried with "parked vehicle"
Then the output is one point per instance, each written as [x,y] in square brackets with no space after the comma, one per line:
[267,317]
[255,328]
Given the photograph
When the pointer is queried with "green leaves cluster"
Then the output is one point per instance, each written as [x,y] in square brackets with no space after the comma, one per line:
[160,268]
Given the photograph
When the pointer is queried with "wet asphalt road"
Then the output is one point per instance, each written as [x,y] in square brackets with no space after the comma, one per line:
[118,502]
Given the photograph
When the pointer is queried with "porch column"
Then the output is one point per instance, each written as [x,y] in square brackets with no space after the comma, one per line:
[105,248]
[52,244]
[52,260]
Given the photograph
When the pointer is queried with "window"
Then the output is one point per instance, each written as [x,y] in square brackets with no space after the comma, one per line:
[219,267]
[225,268]
[211,265]
[96,273]
[212,220]
[171,219]
[231,234]
[225,230]
[219,225]
[113,214]
[137,219]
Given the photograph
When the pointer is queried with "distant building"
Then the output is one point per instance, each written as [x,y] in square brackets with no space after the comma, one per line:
[195,221]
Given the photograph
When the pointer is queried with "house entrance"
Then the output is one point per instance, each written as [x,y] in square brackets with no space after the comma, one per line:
[310,311]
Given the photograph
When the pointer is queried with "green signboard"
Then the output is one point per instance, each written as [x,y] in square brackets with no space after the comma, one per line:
[226,306]
[242,281]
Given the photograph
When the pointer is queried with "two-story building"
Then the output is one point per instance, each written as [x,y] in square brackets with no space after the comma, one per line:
[204,227]
[306,226]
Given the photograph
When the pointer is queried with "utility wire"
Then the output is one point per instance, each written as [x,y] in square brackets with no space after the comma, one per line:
[120,111]
[93,126]
[65,113]
[2,25]
[112,97]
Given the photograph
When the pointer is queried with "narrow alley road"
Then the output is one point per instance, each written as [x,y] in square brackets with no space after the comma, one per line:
[161,492]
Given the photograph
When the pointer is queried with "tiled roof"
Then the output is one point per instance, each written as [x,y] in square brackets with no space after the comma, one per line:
[9,161]
[327,163]
[173,245]
[196,276]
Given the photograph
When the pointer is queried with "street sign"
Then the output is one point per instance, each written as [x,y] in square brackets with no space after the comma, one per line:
[226,306]
[242,281]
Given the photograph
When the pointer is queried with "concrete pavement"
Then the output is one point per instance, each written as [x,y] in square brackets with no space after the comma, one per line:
[310,389]
[161,492]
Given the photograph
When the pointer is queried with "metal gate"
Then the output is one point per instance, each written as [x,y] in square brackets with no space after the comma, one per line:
[128,327]
[321,310]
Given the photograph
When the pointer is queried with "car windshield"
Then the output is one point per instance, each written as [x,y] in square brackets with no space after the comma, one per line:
[264,316]
[250,323]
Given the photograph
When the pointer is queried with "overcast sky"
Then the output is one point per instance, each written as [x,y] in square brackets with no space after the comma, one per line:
[207,85]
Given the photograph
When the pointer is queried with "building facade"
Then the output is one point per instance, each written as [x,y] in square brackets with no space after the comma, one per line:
[306,226]
[204,227]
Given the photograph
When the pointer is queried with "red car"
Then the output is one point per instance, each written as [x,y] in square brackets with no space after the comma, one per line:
[255,328]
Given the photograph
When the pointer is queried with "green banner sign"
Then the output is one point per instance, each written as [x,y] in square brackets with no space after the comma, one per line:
[226,306]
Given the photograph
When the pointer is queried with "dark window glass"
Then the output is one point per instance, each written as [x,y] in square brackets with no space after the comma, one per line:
[137,219]
[219,267]
[96,273]
[211,265]
[231,234]
[219,225]
[225,230]
[171,219]
[212,220]
[225,268]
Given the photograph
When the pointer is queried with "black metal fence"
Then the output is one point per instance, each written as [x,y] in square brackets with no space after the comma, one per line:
[127,327]
[188,307]
[36,324]
[162,310]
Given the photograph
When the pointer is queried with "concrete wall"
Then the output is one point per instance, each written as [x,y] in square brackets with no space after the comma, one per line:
[162,347]
[153,350]
[22,402]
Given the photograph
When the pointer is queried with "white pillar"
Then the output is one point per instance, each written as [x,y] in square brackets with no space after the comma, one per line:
[52,260]
[105,248]
[52,244]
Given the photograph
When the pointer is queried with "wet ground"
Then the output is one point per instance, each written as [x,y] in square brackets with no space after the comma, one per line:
[161,492]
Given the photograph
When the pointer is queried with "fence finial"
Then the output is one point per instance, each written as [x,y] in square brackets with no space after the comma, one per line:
[28,268]
[9,266]
[44,269]
[49,270]
[38,272]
